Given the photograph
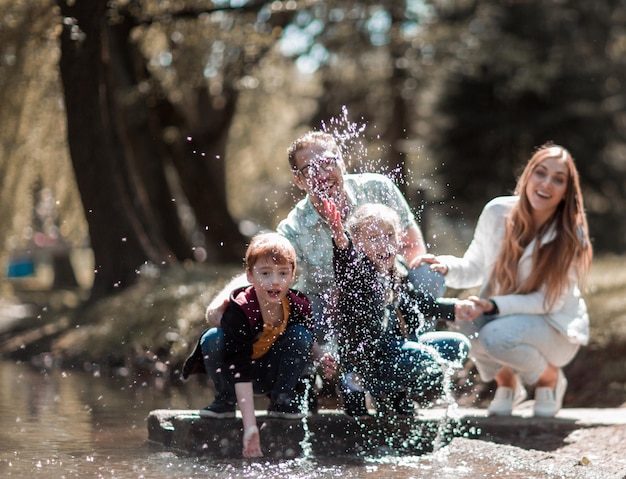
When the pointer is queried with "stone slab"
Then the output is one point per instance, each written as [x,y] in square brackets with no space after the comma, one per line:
[332,433]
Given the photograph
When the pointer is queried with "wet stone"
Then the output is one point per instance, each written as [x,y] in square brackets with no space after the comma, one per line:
[329,433]
[332,433]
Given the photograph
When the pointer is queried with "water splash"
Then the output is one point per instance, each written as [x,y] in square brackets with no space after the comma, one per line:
[429,434]
[448,424]
[349,137]
[305,444]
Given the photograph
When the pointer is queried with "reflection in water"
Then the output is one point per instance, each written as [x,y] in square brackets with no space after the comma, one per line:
[69,424]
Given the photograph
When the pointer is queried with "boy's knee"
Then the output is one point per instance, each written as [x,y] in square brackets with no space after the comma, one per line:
[212,341]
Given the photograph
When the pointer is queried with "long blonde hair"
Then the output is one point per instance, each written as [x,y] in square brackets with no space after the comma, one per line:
[551,261]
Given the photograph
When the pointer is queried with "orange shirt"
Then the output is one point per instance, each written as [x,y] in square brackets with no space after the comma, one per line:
[270,333]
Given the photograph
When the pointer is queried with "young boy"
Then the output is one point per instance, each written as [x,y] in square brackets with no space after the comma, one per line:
[267,340]
[379,310]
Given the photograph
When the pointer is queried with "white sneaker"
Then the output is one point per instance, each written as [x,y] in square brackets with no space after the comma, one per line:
[506,399]
[548,401]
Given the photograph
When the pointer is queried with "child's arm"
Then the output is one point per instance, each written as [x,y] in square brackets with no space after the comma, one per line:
[251,437]
[336,225]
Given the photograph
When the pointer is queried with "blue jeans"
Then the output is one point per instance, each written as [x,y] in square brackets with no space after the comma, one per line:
[275,373]
[425,279]
[415,366]
[212,345]
[451,346]
[526,343]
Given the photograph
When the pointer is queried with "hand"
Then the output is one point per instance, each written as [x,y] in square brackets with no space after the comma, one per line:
[467,309]
[252,442]
[333,218]
[484,304]
[329,365]
[214,315]
[435,264]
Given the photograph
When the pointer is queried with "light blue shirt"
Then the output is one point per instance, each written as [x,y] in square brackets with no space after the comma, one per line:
[312,238]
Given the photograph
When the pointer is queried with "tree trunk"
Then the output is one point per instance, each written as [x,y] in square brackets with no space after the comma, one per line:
[143,139]
[119,241]
[199,156]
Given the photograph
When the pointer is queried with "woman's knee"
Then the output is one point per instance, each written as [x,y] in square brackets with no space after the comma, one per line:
[496,337]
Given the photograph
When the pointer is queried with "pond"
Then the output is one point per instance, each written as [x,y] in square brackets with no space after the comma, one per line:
[67,424]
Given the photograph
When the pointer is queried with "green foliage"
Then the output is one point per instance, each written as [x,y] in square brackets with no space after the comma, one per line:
[528,72]
[454,96]
[33,149]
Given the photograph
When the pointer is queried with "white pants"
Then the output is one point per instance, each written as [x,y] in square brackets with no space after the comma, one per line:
[526,343]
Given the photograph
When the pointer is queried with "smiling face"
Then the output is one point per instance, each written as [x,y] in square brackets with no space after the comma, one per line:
[270,267]
[546,187]
[377,239]
[271,279]
[318,170]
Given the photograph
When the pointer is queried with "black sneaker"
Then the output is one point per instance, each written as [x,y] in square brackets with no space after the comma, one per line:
[402,405]
[218,410]
[284,411]
[306,388]
[354,403]
[395,405]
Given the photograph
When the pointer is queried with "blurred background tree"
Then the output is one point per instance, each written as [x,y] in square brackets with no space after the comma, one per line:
[526,72]
[179,113]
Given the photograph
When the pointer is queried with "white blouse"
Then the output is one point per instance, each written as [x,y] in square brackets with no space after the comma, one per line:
[568,314]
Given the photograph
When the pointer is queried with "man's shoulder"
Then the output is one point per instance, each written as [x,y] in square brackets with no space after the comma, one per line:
[367,178]
[368,185]
[300,216]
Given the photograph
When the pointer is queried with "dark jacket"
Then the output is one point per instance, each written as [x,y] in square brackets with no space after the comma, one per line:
[374,309]
[243,324]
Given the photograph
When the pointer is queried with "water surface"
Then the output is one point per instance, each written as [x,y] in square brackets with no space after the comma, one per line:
[69,424]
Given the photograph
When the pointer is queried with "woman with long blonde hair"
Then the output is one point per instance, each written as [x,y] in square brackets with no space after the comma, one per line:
[528,254]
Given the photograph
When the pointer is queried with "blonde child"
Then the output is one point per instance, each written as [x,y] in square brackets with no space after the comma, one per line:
[379,311]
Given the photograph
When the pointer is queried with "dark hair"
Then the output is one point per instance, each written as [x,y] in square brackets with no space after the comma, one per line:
[308,139]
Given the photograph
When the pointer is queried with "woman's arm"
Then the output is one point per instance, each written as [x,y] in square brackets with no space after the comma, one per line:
[474,268]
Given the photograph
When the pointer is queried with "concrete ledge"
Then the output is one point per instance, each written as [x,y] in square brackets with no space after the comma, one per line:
[332,433]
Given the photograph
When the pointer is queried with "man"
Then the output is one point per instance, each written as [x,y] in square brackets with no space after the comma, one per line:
[318,169]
